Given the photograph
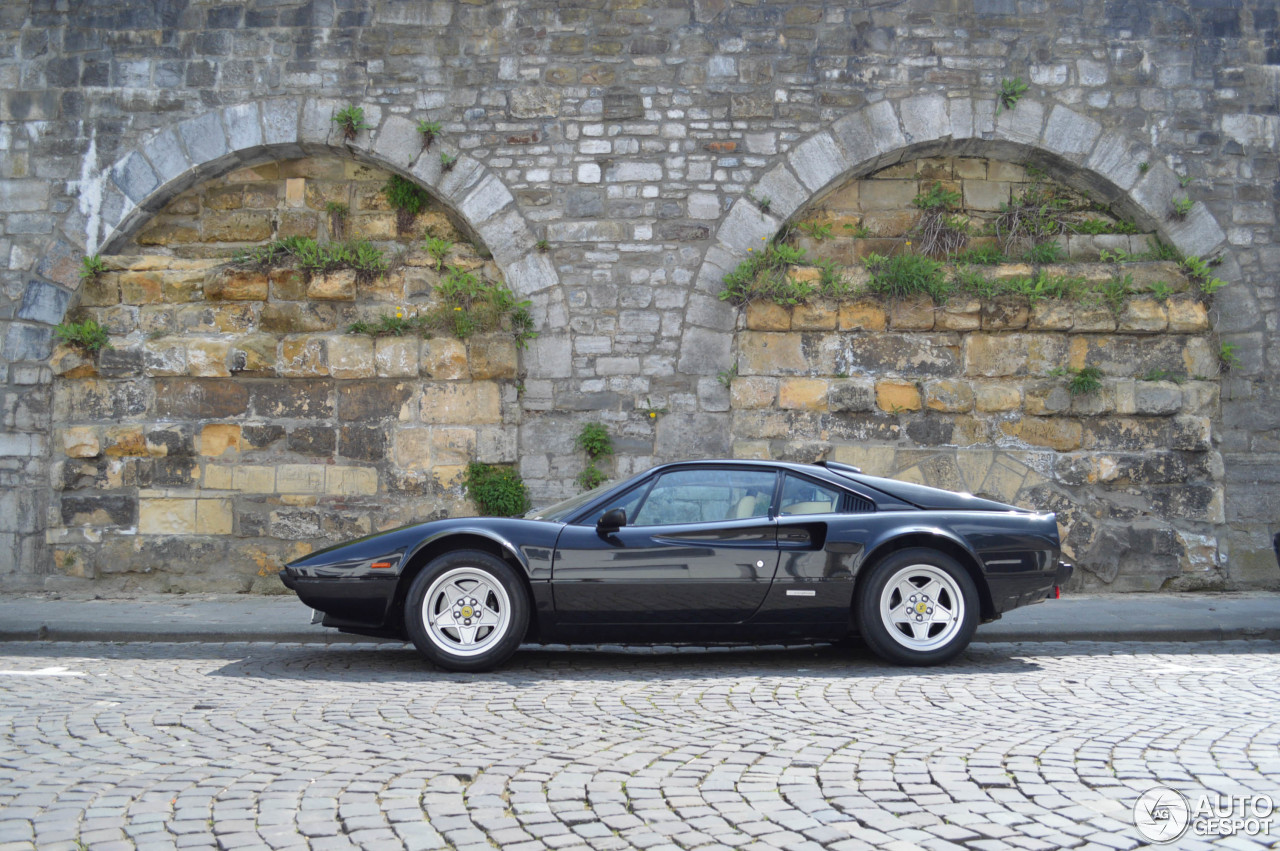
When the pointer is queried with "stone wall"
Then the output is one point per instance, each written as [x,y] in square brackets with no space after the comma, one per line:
[964,396]
[632,138]
[236,424]
[274,200]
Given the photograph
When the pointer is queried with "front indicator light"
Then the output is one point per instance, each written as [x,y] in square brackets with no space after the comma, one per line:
[380,565]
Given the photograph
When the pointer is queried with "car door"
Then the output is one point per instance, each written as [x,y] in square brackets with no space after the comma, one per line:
[700,547]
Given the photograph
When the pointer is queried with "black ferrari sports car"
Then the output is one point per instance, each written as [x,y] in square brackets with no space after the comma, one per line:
[697,552]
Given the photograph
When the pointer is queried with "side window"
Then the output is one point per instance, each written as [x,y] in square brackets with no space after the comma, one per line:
[700,496]
[802,496]
[627,502]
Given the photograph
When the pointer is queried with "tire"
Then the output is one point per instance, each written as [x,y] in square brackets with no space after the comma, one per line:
[467,611]
[918,607]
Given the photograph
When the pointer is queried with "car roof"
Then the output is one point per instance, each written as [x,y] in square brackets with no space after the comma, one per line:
[815,470]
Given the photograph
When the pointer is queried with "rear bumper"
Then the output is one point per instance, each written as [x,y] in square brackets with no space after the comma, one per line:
[1065,569]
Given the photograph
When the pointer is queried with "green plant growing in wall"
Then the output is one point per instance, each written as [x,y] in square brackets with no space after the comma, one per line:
[1114,291]
[429,130]
[1161,291]
[858,231]
[652,411]
[1144,167]
[351,120]
[87,336]
[497,490]
[726,376]
[817,231]
[448,161]
[939,232]
[92,267]
[764,202]
[1011,91]
[1181,207]
[763,275]
[543,246]
[1044,252]
[904,275]
[1228,357]
[594,440]
[1185,180]
[312,258]
[1198,269]
[1081,381]
[407,198]
[438,249]
[337,212]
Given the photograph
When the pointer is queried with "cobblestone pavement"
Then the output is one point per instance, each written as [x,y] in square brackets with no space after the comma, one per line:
[107,746]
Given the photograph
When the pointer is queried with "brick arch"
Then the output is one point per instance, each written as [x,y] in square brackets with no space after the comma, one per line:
[127,193]
[1071,147]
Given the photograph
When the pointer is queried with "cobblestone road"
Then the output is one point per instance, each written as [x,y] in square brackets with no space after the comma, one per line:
[301,746]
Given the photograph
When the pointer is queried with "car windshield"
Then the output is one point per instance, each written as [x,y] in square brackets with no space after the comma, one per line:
[564,509]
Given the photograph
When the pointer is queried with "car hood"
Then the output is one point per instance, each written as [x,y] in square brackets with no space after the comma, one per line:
[931,499]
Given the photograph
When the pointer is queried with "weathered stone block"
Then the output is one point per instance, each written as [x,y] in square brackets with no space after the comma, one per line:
[753,392]
[493,356]
[298,318]
[764,315]
[897,396]
[949,396]
[848,395]
[863,316]
[350,481]
[218,438]
[95,400]
[1157,398]
[166,516]
[1047,398]
[213,517]
[912,314]
[444,358]
[80,442]
[809,394]
[100,509]
[334,286]
[412,449]
[461,403]
[351,356]
[1187,315]
[452,446]
[233,285]
[959,314]
[1051,315]
[1005,314]
[769,353]
[1143,314]
[374,400]
[299,398]
[208,358]
[303,357]
[1060,434]
[300,478]
[997,355]
[250,478]
[319,441]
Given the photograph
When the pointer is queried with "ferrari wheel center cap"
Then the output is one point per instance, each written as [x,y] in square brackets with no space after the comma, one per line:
[467,611]
[921,608]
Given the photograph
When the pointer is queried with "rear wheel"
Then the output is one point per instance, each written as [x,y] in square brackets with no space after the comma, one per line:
[467,611]
[918,607]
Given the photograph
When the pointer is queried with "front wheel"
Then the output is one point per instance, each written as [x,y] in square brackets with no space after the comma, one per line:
[918,607]
[467,611]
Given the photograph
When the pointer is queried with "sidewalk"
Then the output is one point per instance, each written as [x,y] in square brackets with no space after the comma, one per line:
[230,617]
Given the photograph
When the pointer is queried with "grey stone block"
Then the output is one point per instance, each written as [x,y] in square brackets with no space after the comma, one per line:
[704,351]
[166,155]
[398,142]
[1071,134]
[531,274]
[507,237]
[1118,159]
[744,227]
[27,342]
[925,118]
[135,177]
[1155,190]
[43,302]
[709,312]
[818,160]
[204,138]
[455,183]
[280,122]
[784,191]
[488,197]
[1199,233]
[317,130]
[23,195]
[552,353]
[868,134]
[1024,123]
[244,128]
[693,435]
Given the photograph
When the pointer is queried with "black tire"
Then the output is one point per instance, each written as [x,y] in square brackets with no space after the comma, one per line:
[479,606]
[903,607]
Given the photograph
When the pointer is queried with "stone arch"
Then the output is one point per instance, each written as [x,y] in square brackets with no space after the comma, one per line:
[1071,147]
[126,193]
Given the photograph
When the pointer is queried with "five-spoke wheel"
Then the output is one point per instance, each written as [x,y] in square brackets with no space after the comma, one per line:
[918,607]
[467,611]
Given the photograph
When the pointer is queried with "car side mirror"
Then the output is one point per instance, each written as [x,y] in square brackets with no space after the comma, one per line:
[612,520]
